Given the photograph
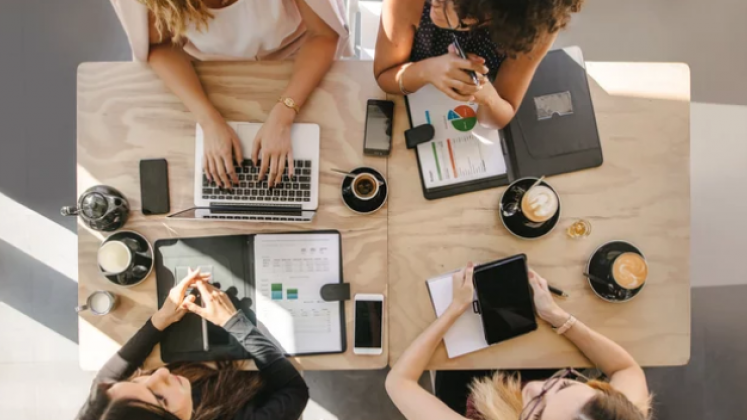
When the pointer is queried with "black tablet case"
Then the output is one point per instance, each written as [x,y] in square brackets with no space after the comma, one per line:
[233,267]
[533,147]
[477,306]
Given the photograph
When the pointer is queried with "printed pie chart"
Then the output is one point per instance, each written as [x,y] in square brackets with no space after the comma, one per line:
[463,118]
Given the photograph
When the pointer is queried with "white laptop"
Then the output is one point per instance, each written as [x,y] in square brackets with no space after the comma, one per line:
[293,200]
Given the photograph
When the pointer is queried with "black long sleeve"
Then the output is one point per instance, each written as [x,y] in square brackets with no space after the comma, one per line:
[131,356]
[284,394]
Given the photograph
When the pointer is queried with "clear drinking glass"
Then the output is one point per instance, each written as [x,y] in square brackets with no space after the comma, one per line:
[581,228]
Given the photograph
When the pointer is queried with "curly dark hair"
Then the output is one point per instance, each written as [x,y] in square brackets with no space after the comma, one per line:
[517,25]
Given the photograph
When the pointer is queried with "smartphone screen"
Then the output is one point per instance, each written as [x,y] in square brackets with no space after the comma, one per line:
[378,135]
[154,186]
[368,321]
[505,300]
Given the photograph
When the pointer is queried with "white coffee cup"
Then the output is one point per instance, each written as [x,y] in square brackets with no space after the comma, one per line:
[114,257]
[365,186]
[99,303]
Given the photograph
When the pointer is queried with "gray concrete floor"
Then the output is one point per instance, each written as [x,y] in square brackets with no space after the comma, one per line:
[41,44]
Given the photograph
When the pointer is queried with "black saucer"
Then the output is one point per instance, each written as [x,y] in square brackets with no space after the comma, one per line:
[517,223]
[363,206]
[600,266]
[142,254]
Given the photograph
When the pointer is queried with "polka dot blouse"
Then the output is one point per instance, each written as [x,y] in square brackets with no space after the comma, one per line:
[432,41]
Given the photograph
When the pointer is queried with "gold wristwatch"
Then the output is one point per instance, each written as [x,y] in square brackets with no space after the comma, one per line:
[290,103]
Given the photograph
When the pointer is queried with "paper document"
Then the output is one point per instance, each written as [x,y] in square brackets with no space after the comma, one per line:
[461,150]
[290,271]
[466,335]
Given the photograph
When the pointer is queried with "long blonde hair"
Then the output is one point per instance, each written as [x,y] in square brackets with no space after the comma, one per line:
[173,16]
[499,398]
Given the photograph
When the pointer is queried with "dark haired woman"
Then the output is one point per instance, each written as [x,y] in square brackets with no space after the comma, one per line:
[193,391]
[565,395]
[505,40]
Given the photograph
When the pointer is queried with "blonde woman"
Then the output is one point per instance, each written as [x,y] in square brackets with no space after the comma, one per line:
[565,395]
[170,34]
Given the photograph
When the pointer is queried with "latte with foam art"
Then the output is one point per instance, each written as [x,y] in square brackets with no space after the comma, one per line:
[629,270]
[539,204]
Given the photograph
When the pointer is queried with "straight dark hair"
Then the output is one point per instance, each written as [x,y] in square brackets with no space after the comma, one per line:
[223,390]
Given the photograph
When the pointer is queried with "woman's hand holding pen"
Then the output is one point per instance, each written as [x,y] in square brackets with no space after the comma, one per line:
[447,73]
[547,308]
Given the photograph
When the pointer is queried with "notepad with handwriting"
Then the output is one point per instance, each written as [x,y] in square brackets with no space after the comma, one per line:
[466,335]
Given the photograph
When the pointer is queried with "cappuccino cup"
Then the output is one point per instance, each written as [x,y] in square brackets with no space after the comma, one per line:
[629,270]
[539,204]
[99,303]
[122,261]
[114,257]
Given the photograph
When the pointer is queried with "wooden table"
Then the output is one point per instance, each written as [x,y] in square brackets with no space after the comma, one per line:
[640,194]
[126,114]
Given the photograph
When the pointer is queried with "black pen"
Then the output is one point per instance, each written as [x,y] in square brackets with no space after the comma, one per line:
[556,291]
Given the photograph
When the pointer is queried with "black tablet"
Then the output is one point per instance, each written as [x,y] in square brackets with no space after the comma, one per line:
[504,298]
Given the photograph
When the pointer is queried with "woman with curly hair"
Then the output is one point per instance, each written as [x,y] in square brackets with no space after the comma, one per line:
[195,391]
[170,34]
[505,40]
[479,395]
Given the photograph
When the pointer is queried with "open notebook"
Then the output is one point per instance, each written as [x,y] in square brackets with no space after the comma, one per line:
[466,335]
[276,279]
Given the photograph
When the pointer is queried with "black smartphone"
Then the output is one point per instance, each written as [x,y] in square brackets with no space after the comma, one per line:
[377,140]
[154,186]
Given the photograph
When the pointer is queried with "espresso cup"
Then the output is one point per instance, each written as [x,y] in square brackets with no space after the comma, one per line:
[99,303]
[629,270]
[365,186]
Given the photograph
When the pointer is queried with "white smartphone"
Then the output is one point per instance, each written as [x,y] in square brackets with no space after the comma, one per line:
[369,324]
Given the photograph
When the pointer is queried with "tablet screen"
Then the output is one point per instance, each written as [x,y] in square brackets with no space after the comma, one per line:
[505,299]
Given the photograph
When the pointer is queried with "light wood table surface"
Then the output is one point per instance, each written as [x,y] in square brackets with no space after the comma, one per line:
[126,114]
[640,194]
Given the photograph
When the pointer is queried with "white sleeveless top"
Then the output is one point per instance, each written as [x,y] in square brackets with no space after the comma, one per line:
[248,30]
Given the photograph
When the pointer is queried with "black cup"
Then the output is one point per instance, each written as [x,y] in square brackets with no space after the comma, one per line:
[141,263]
[513,218]
[358,201]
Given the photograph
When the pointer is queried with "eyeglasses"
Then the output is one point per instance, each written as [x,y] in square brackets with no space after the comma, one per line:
[533,408]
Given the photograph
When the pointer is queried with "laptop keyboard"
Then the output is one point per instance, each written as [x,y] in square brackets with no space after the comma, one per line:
[250,188]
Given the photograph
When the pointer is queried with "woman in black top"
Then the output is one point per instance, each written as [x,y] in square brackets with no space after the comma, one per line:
[193,391]
[504,40]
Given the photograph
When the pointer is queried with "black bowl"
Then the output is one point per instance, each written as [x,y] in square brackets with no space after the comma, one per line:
[600,266]
[363,206]
[515,221]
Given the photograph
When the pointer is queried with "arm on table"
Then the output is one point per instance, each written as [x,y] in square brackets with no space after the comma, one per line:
[174,67]
[131,356]
[311,64]
[414,402]
[624,373]
[286,390]
[500,100]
